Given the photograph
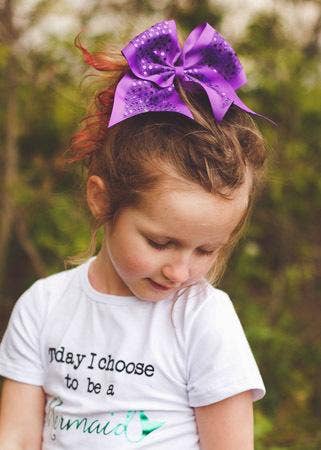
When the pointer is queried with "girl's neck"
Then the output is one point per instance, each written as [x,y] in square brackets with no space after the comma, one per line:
[101,275]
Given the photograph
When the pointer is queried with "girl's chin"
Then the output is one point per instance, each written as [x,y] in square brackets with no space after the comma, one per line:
[149,291]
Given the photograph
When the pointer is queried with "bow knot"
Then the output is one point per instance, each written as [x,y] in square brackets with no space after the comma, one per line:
[180,72]
[155,59]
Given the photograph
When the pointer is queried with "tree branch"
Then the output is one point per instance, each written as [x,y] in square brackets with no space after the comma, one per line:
[28,246]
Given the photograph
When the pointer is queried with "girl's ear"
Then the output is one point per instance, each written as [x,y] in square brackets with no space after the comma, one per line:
[97,196]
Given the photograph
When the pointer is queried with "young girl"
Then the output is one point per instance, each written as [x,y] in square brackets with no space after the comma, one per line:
[134,349]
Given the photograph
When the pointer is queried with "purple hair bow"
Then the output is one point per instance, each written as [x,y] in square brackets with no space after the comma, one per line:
[155,59]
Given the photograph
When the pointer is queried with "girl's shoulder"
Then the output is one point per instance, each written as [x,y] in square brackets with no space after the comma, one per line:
[42,295]
[219,360]
[58,281]
[202,296]
[202,307]
[205,310]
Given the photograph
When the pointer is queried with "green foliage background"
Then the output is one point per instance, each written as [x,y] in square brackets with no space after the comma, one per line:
[274,274]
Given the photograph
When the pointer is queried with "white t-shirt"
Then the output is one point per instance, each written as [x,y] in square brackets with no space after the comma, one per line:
[120,373]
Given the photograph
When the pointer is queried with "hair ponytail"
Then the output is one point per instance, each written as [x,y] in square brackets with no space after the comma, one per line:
[91,136]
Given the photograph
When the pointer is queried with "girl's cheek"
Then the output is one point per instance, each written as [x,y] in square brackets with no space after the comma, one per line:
[136,264]
[203,268]
[140,260]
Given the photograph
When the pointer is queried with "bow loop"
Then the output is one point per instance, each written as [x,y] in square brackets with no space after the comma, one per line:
[155,59]
[152,54]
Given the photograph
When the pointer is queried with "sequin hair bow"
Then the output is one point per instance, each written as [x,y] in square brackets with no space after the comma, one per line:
[155,59]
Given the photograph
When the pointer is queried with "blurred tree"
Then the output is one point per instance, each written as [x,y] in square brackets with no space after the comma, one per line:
[278,265]
[11,220]
[37,224]
[9,36]
[41,107]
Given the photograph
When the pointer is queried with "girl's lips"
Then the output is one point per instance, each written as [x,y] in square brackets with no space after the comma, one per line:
[160,287]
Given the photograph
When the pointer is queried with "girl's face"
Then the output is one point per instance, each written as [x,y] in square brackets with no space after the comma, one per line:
[169,242]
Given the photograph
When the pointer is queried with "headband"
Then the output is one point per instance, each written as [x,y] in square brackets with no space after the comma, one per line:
[156,59]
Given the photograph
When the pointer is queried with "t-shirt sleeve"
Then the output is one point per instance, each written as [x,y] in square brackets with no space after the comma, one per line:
[20,357]
[220,363]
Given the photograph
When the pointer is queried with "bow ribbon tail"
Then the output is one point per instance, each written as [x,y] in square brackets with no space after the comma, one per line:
[238,102]
[221,96]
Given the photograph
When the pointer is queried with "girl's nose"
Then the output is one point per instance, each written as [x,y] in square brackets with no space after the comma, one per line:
[177,273]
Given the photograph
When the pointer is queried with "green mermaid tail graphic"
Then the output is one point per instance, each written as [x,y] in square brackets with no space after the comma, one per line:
[148,426]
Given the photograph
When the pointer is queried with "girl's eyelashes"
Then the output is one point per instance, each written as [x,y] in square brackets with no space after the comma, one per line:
[165,245]
[204,252]
[157,245]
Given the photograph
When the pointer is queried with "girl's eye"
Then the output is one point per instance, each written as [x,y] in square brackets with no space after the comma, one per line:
[163,246]
[203,252]
[157,245]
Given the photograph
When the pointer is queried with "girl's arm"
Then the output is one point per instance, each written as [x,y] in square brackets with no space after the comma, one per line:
[226,425]
[21,416]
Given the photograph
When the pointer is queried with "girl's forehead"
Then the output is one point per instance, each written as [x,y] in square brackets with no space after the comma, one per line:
[178,193]
[175,207]
[190,203]
[169,180]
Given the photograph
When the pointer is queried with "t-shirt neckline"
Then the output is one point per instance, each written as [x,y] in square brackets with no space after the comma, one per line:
[102,297]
